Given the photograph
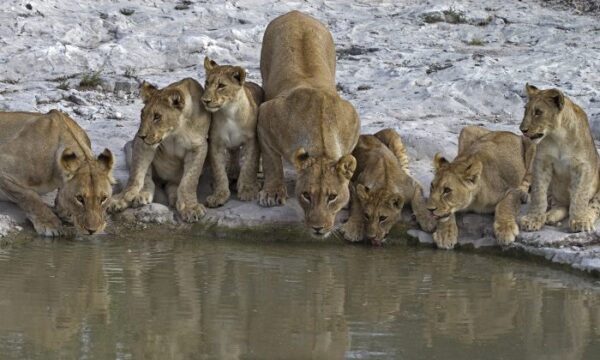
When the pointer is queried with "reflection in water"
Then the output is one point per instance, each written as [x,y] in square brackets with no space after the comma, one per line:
[198,299]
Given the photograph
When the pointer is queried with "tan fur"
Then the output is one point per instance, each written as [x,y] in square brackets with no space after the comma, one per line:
[170,148]
[305,121]
[43,152]
[381,187]
[233,102]
[487,176]
[566,163]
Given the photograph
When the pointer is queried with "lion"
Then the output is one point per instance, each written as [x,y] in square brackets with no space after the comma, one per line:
[566,162]
[490,174]
[43,152]
[233,102]
[381,186]
[305,121]
[169,148]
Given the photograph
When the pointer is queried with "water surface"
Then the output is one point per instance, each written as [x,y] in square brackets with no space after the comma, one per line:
[159,295]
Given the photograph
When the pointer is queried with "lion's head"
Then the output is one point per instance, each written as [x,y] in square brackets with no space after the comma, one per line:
[453,186]
[86,188]
[223,84]
[322,189]
[541,112]
[162,113]
[381,209]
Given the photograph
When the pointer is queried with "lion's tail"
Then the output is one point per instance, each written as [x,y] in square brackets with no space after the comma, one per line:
[392,140]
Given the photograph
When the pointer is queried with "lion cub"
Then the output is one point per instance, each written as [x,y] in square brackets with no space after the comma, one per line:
[566,162]
[169,148]
[233,102]
[381,187]
[489,175]
[43,152]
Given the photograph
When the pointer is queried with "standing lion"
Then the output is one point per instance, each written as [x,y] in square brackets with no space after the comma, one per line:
[305,121]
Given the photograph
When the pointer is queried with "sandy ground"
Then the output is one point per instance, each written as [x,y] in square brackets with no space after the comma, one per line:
[424,68]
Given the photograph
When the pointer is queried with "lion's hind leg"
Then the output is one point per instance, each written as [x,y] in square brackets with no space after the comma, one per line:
[391,139]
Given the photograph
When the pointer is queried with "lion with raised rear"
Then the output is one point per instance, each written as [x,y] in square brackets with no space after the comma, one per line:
[169,149]
[566,166]
[43,152]
[381,186]
[305,121]
[490,174]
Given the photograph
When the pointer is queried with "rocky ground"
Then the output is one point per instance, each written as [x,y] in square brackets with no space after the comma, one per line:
[424,68]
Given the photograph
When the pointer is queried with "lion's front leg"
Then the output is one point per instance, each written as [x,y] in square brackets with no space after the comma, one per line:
[419,208]
[505,217]
[353,229]
[582,216]
[187,203]
[140,187]
[44,221]
[221,193]
[247,185]
[273,192]
[446,233]
[536,213]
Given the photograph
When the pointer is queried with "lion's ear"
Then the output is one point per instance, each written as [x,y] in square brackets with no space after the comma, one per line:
[396,201]
[106,160]
[300,159]
[473,172]
[346,166]
[69,162]
[531,90]
[557,98]
[176,99]
[439,161]
[239,74]
[209,64]
[147,90]
[362,192]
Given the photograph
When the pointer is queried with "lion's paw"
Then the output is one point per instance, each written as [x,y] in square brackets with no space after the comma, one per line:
[506,232]
[352,231]
[192,213]
[217,199]
[446,237]
[272,197]
[582,223]
[532,222]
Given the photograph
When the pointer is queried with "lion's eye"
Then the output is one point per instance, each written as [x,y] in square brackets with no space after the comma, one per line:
[103,199]
[157,118]
[80,199]
[447,190]
[367,217]
[331,197]
[306,196]
[537,112]
[382,218]
[221,86]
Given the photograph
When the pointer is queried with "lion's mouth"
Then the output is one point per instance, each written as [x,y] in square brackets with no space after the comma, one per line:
[536,136]
[441,217]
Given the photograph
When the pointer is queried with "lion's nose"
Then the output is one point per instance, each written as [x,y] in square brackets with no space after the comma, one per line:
[142,136]
[524,130]
[91,231]
[206,100]
[318,229]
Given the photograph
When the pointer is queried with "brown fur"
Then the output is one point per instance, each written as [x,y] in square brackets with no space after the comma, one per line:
[169,148]
[42,152]
[233,102]
[566,163]
[305,121]
[382,186]
[489,175]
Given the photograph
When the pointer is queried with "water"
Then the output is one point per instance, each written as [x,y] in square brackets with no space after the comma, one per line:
[163,296]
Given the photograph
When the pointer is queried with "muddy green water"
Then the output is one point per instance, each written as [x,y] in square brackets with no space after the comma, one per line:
[160,295]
